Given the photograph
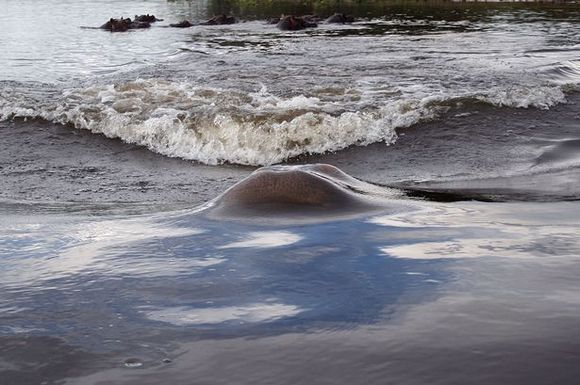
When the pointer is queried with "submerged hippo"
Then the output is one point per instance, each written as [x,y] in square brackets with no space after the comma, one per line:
[220,20]
[274,20]
[146,18]
[139,24]
[181,24]
[295,23]
[309,18]
[123,24]
[309,191]
[340,18]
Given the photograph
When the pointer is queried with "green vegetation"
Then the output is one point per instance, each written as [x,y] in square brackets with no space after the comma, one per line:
[372,8]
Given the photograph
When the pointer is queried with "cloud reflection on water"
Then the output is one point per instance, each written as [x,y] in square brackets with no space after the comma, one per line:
[357,285]
[256,312]
[58,250]
[265,239]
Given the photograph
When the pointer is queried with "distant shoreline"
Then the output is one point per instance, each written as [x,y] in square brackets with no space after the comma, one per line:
[360,8]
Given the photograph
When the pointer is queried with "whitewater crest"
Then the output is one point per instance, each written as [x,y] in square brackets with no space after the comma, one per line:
[542,97]
[215,126]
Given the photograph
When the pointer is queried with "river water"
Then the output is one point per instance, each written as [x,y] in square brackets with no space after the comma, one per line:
[464,119]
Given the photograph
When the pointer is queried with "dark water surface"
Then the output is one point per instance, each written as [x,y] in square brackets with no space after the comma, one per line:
[115,270]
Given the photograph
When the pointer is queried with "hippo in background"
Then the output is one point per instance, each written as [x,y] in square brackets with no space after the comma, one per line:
[295,23]
[139,24]
[181,24]
[123,24]
[117,25]
[146,18]
[220,20]
[340,18]
[310,18]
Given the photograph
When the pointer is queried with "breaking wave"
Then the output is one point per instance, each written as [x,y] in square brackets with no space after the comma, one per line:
[216,126]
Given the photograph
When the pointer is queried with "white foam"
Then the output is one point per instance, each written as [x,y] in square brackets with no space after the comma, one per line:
[542,97]
[213,126]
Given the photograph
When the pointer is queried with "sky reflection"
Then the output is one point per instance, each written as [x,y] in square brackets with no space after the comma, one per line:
[257,312]
[448,280]
[265,239]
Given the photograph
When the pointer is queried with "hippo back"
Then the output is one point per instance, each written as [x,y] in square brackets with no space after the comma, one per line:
[313,191]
